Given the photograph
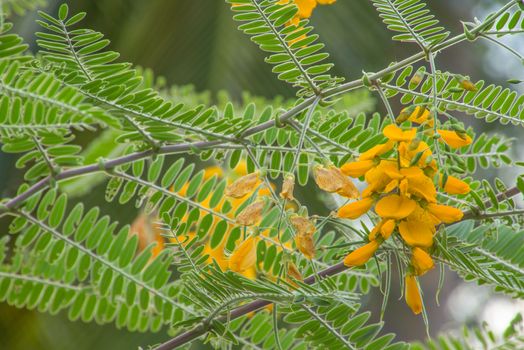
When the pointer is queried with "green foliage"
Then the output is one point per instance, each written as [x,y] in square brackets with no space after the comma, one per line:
[88,266]
[293,51]
[413,20]
[20,7]
[486,255]
[65,257]
[479,337]
[489,102]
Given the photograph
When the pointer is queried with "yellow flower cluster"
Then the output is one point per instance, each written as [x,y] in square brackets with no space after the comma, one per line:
[305,7]
[400,174]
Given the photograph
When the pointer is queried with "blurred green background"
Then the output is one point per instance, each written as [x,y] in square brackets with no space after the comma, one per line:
[196,42]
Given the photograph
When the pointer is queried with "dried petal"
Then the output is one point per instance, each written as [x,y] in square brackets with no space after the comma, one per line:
[251,214]
[288,187]
[243,185]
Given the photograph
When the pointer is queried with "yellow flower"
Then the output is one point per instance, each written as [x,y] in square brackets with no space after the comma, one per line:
[217,255]
[358,168]
[395,207]
[413,298]
[384,227]
[305,7]
[379,178]
[304,235]
[361,255]
[326,2]
[421,261]
[242,186]
[244,256]
[387,228]
[421,115]
[377,150]
[418,184]
[287,187]
[355,209]
[455,186]
[454,139]
[408,151]
[394,133]
[251,214]
[417,233]
[445,213]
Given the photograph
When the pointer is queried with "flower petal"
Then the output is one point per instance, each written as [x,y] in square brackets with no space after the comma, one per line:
[417,233]
[395,207]
[445,213]
[361,255]
[454,139]
[394,133]
[355,209]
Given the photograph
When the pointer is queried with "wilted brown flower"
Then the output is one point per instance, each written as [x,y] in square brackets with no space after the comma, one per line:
[243,185]
[251,214]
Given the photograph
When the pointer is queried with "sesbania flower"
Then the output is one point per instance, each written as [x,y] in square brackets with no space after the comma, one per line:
[400,175]
[243,185]
[331,179]
[455,186]
[305,229]
[306,7]
[288,187]
[413,298]
[244,256]
[251,214]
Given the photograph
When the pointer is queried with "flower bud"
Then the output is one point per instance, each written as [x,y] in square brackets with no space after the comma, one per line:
[361,255]
[413,298]
[421,261]
[454,185]
[355,209]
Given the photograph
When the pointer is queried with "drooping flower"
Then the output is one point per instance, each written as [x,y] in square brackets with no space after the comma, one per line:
[445,213]
[455,139]
[454,185]
[413,298]
[355,209]
[251,214]
[243,185]
[395,207]
[361,255]
[244,256]
[421,261]
[305,229]
[288,187]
